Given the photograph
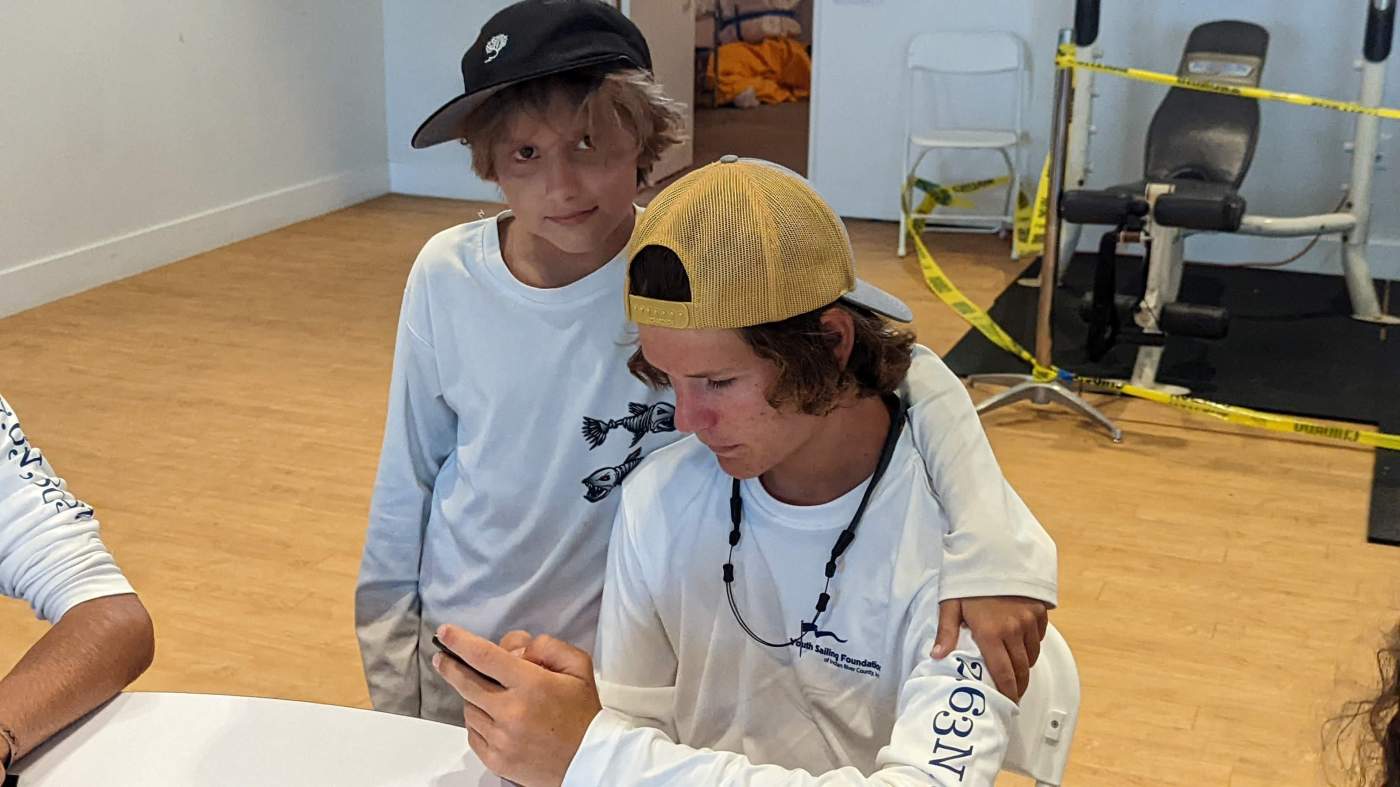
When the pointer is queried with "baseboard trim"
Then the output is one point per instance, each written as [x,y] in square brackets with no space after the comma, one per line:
[44,280]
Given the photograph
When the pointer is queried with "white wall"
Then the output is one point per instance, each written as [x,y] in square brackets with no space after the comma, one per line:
[133,135]
[423,45]
[858,88]
[1299,166]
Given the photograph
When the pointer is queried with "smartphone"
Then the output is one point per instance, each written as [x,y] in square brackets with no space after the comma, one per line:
[451,654]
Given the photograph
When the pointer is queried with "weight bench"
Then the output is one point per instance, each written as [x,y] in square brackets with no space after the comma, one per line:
[1199,148]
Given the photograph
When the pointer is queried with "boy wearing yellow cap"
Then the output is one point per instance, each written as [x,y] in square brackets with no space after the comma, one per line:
[769,577]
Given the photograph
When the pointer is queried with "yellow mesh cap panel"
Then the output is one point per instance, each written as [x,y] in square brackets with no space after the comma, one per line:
[758,245]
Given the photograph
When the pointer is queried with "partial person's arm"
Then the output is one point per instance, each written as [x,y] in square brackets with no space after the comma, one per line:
[90,655]
[999,570]
[52,557]
[419,433]
[952,729]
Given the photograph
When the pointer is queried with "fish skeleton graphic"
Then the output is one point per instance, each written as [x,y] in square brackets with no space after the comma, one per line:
[660,417]
[601,482]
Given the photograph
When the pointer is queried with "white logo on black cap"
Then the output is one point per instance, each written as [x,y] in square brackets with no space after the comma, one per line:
[495,45]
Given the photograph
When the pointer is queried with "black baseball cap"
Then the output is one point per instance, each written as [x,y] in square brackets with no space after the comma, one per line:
[530,39]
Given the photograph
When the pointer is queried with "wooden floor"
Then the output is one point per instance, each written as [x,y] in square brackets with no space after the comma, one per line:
[776,132]
[223,414]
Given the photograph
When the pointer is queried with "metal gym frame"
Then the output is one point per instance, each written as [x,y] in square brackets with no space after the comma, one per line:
[1070,132]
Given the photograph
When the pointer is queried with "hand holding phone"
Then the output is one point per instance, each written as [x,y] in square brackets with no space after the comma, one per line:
[451,654]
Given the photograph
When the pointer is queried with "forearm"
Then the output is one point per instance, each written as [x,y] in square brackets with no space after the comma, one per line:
[388,611]
[617,750]
[1002,552]
[91,654]
[952,728]
[419,434]
[994,544]
[387,624]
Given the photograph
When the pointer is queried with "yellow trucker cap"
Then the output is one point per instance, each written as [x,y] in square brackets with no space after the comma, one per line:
[758,244]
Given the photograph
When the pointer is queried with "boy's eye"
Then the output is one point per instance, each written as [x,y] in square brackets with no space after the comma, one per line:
[586,143]
[716,384]
[525,153]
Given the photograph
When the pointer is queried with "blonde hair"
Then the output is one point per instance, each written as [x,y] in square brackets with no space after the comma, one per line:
[628,97]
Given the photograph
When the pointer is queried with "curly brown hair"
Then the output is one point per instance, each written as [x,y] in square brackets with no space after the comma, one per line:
[810,380]
[1375,756]
[629,97]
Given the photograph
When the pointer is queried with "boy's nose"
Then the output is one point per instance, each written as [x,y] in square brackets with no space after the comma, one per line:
[563,180]
[690,416]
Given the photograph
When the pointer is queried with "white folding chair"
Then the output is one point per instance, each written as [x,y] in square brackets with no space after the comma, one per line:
[1040,741]
[971,54]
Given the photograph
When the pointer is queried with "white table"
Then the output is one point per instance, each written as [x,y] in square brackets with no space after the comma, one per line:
[193,740]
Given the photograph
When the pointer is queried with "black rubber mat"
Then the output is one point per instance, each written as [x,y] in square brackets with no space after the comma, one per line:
[1292,348]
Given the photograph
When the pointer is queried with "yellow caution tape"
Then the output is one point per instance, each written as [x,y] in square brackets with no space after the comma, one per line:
[1065,59]
[1032,242]
[944,288]
[1247,417]
[936,194]
[948,292]
[1029,238]
[1028,231]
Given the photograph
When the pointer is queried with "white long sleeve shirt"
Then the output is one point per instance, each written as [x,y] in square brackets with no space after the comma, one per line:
[512,419]
[691,699]
[51,555]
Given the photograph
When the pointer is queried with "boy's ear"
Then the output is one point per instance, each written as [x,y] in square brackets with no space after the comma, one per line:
[840,329]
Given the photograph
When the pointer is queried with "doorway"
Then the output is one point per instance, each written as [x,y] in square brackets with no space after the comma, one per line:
[756,102]
[759,106]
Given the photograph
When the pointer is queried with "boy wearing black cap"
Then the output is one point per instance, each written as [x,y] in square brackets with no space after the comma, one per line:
[512,419]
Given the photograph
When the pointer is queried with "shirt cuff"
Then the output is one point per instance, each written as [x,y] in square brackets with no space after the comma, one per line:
[1008,586]
[114,584]
[590,762]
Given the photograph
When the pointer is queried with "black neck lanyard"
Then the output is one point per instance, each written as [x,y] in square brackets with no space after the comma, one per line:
[736,515]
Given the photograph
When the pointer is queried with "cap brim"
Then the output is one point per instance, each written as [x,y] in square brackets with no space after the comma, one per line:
[447,123]
[877,300]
